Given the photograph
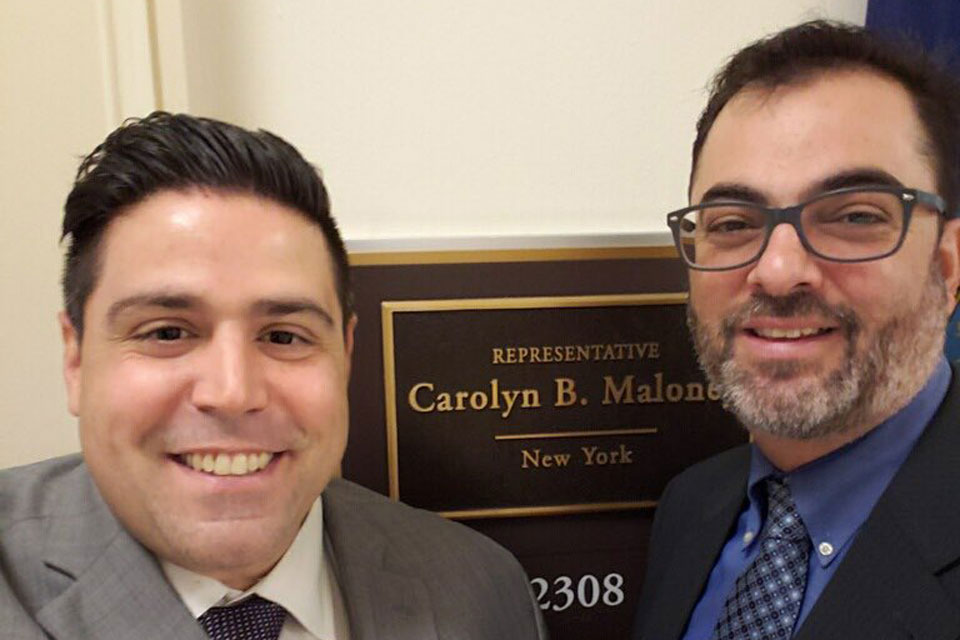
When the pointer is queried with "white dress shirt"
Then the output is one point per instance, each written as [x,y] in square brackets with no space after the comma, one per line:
[302,582]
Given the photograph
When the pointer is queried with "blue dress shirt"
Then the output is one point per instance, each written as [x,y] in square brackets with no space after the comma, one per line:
[834,495]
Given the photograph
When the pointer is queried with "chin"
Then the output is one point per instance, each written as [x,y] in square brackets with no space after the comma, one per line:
[230,546]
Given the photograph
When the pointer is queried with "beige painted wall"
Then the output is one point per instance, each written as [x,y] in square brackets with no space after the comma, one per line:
[52,109]
[446,118]
[429,118]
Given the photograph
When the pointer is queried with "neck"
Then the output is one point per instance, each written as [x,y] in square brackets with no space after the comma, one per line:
[787,454]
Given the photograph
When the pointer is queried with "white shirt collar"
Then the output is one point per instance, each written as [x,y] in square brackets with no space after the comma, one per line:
[301,582]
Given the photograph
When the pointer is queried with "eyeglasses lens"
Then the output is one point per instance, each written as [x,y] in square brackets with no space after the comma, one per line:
[857,225]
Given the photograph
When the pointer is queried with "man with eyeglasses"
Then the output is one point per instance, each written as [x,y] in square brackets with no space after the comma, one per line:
[822,248]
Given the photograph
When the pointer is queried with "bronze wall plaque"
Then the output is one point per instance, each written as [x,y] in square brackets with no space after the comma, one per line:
[585,567]
[541,405]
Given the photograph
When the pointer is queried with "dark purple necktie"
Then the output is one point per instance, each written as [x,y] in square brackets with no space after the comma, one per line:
[253,618]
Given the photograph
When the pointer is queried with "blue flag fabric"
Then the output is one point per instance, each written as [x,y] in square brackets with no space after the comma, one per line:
[952,345]
[935,24]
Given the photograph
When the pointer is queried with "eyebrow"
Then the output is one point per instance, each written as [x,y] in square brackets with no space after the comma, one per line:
[290,306]
[171,301]
[734,191]
[180,302]
[858,177]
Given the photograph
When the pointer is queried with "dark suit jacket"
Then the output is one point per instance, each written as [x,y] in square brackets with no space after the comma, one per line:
[68,570]
[900,578]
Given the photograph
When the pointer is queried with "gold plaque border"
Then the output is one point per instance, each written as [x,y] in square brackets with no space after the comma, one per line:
[390,307]
[550,510]
[473,256]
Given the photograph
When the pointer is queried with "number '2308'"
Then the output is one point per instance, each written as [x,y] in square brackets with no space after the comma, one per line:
[588,591]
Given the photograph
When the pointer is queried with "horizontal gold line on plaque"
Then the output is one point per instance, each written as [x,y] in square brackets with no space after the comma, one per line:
[533,302]
[576,434]
[473,256]
[552,510]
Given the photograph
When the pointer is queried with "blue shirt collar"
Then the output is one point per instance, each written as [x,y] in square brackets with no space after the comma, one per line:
[835,494]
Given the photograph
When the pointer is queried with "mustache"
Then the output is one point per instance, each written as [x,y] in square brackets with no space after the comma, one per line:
[800,303]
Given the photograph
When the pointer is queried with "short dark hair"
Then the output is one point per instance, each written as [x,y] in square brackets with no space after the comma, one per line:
[798,53]
[166,151]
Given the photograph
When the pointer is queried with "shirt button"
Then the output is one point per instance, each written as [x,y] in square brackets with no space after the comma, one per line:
[825,549]
[748,537]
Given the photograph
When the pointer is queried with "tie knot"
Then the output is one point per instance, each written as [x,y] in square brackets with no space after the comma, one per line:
[253,618]
[783,521]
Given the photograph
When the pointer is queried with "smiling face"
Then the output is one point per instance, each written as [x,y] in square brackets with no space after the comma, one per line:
[806,348]
[210,381]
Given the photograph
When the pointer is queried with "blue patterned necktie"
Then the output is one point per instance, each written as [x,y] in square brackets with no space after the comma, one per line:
[767,596]
[253,618]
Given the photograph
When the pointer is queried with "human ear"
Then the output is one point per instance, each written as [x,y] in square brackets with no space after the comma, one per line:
[348,331]
[71,362]
[949,254]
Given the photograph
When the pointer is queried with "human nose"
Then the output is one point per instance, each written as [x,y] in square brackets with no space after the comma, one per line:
[785,264]
[228,379]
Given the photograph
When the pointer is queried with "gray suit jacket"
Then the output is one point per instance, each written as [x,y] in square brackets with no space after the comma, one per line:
[68,570]
[900,578]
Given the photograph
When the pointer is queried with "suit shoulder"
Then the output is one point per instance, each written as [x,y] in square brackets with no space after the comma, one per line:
[410,526]
[717,473]
[28,491]
[476,588]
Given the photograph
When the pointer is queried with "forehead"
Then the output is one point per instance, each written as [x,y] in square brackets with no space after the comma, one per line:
[785,139]
[214,245]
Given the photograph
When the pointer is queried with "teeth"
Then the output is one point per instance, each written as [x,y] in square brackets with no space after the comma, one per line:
[225,464]
[238,466]
[222,467]
[789,334]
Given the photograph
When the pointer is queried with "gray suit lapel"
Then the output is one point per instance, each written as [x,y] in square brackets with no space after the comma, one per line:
[381,600]
[105,585]
[382,605]
[888,585]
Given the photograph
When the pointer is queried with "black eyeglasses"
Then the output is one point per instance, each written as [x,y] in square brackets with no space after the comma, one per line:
[856,224]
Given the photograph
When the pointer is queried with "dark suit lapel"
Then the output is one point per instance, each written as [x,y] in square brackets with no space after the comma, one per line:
[381,601]
[694,556]
[888,585]
[105,585]
[882,590]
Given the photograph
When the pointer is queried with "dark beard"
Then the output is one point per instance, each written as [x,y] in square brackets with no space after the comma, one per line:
[877,379]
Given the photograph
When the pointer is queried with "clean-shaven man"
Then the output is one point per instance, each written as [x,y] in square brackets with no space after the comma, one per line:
[207,339]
